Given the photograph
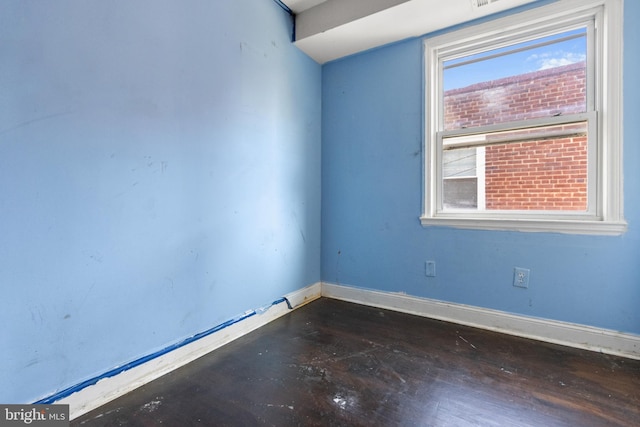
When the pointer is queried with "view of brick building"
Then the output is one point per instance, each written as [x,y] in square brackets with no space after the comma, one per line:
[542,172]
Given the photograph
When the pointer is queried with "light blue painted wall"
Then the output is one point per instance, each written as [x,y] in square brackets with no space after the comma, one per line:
[159,175]
[371,200]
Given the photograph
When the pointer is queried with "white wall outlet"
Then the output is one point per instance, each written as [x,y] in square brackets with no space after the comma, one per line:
[430,269]
[521,277]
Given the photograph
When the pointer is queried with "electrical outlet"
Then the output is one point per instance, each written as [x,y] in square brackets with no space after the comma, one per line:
[521,277]
[430,269]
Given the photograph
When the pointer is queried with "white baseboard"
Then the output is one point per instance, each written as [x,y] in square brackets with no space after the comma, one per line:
[110,388]
[305,295]
[569,334]
[563,333]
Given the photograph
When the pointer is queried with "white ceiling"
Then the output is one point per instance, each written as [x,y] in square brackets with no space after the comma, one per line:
[298,6]
[331,29]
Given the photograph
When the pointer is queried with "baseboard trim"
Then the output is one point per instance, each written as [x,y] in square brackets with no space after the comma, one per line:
[100,390]
[563,333]
[97,391]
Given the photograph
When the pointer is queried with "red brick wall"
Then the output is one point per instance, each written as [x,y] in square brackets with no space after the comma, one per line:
[549,174]
[537,175]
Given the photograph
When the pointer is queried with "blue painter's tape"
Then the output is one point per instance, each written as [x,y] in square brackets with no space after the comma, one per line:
[113,372]
[284,7]
[281,300]
[293,18]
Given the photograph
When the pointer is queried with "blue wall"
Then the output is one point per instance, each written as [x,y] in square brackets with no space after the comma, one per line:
[371,200]
[159,175]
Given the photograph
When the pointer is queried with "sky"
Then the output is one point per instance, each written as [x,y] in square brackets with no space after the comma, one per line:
[527,58]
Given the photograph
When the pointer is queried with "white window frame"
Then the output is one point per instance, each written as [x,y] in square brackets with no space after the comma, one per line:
[604,214]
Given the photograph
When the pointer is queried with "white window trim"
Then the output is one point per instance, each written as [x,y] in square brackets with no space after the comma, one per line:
[607,216]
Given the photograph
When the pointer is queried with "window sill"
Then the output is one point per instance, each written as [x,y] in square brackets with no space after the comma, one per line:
[606,228]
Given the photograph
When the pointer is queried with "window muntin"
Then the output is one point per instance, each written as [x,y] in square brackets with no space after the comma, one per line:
[583,188]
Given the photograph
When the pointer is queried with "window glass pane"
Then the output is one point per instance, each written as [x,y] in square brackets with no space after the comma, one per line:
[460,193]
[459,163]
[542,169]
[540,78]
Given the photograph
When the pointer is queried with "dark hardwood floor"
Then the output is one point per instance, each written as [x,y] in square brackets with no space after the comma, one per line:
[332,363]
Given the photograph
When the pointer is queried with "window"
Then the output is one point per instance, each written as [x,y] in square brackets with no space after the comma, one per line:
[523,126]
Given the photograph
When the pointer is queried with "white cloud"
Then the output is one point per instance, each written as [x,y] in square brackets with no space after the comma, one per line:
[556,59]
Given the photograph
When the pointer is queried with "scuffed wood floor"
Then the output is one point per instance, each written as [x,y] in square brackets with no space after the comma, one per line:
[332,363]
